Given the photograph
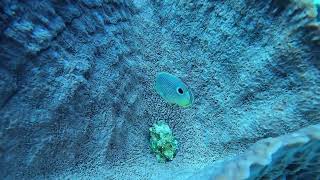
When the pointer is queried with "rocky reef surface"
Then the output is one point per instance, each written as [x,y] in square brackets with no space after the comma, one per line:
[77,84]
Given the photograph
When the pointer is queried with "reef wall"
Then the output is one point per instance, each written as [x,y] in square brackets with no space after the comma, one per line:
[77,77]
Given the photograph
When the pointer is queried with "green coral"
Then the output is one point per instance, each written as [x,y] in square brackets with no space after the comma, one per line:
[162,141]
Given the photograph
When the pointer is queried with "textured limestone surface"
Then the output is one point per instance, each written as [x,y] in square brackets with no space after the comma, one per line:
[292,156]
[77,83]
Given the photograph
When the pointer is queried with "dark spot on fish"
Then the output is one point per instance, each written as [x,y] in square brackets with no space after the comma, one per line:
[180,90]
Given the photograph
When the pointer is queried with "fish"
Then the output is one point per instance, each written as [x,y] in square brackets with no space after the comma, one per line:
[173,90]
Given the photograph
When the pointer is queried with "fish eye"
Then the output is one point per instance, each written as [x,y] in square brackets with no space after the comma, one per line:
[180,91]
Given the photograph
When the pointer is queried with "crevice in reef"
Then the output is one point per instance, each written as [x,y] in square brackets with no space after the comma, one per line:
[8,98]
